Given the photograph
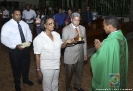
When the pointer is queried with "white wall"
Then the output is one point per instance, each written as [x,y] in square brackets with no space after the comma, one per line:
[33,2]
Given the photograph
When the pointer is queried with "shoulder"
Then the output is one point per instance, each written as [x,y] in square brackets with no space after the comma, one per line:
[55,33]
[24,11]
[7,26]
[9,23]
[38,38]
[66,27]
[80,26]
[24,23]
[6,10]
[109,41]
[32,10]
[42,16]
[57,14]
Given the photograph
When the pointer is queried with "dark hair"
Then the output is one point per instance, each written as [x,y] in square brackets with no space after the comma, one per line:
[16,9]
[27,5]
[40,13]
[111,20]
[43,21]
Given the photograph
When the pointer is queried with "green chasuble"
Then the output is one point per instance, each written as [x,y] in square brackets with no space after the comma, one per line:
[110,64]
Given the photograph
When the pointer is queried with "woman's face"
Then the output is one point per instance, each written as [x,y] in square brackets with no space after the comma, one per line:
[79,10]
[38,12]
[69,12]
[49,24]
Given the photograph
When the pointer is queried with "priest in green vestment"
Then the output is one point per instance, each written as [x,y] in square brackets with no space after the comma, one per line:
[110,62]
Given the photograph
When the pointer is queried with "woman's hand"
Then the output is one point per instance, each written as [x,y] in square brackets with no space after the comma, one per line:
[39,75]
[69,41]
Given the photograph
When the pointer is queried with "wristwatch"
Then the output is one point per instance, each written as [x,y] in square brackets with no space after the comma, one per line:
[38,69]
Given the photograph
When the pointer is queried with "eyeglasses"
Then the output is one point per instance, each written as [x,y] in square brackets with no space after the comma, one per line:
[51,23]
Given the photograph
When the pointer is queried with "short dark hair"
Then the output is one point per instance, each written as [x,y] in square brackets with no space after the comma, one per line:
[43,21]
[15,9]
[111,20]
[27,5]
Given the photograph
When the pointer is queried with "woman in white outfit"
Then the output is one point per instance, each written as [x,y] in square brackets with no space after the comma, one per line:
[47,47]
[38,20]
[94,15]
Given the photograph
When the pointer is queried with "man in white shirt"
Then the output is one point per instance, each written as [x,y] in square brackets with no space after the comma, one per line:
[16,35]
[5,14]
[29,16]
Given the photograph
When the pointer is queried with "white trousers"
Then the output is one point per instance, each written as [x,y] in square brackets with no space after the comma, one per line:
[50,79]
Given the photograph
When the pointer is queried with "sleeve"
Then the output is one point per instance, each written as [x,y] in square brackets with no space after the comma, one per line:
[39,20]
[85,17]
[85,44]
[4,38]
[37,47]
[7,12]
[28,33]
[42,16]
[64,34]
[34,15]
[56,17]
[61,40]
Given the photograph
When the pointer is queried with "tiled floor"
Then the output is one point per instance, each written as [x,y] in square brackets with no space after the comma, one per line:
[6,78]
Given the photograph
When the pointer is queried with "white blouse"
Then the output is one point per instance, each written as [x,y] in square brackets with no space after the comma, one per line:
[49,50]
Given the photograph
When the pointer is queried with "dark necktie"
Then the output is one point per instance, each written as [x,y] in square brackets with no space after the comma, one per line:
[21,33]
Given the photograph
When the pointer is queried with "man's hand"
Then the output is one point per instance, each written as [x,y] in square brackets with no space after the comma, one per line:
[85,57]
[97,44]
[89,23]
[19,47]
[40,76]
[31,18]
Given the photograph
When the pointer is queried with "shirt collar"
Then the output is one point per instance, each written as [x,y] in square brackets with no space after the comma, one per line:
[27,10]
[74,26]
[15,22]
[114,31]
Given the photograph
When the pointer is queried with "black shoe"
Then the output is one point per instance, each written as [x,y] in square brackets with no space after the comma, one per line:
[18,90]
[17,87]
[30,83]
[78,89]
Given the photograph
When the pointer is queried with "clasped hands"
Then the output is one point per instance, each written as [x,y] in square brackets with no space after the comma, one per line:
[97,43]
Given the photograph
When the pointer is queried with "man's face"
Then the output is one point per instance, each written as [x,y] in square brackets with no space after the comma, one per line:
[87,8]
[106,27]
[16,15]
[75,21]
[60,11]
[2,8]
[28,7]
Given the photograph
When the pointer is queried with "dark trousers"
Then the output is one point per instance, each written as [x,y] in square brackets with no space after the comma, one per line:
[20,62]
[76,69]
